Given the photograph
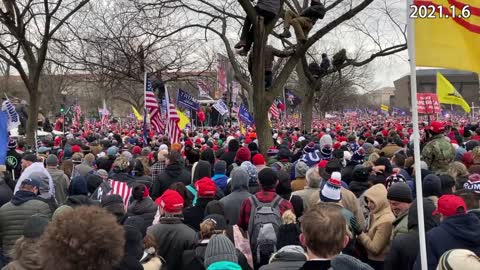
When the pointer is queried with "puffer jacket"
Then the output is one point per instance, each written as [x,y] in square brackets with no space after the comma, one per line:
[377,239]
[14,214]
[172,238]
[145,208]
[61,183]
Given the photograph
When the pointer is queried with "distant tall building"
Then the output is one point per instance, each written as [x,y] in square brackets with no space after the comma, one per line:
[381,96]
[466,83]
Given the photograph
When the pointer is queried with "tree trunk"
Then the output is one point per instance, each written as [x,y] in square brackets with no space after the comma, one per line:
[34,98]
[260,97]
[308,98]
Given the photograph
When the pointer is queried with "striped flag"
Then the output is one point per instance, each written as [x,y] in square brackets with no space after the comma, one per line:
[122,189]
[173,131]
[152,107]
[274,111]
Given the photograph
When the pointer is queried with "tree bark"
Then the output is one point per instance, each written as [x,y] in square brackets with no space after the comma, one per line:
[33,106]
[307,100]
[260,97]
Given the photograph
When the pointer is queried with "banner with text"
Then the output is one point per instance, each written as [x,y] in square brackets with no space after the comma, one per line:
[245,116]
[186,100]
[428,103]
[221,107]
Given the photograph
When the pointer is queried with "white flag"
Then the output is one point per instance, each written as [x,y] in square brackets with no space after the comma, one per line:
[221,107]
[13,118]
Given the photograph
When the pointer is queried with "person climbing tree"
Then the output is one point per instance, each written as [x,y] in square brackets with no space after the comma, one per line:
[303,23]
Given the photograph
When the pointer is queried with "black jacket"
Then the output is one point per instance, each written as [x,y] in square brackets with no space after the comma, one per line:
[14,162]
[80,200]
[314,12]
[456,232]
[145,208]
[193,215]
[173,173]
[229,157]
[404,248]
[285,261]
[358,188]
[172,238]
[6,193]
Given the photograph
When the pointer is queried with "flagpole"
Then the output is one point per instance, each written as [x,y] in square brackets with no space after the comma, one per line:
[416,135]
[145,108]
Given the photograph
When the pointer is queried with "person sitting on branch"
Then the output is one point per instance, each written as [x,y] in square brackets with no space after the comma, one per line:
[303,23]
[268,9]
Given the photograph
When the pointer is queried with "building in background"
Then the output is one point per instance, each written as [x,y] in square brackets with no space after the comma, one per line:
[380,96]
[466,83]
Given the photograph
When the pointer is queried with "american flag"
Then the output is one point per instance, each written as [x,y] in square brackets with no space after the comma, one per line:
[77,114]
[152,106]
[274,111]
[122,189]
[173,131]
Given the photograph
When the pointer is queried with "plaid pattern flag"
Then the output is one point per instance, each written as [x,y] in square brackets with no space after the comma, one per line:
[173,130]
[152,107]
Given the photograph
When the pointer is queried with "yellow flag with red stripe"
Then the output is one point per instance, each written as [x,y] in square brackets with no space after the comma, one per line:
[447,33]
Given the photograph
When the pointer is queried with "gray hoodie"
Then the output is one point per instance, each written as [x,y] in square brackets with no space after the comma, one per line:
[234,200]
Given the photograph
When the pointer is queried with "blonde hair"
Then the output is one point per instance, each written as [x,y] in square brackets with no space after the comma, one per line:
[373,157]
[476,153]
[289,217]
[208,228]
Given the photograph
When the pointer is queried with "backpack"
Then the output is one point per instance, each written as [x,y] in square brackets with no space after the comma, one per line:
[265,221]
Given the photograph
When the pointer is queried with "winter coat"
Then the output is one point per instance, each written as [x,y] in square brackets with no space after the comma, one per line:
[349,201]
[400,225]
[14,214]
[438,154]
[172,238]
[83,169]
[14,162]
[358,188]
[173,173]
[404,248]
[80,200]
[146,180]
[272,6]
[193,215]
[306,194]
[377,239]
[233,201]
[26,256]
[221,181]
[456,232]
[299,184]
[286,259]
[61,183]
[228,157]
[6,193]
[145,208]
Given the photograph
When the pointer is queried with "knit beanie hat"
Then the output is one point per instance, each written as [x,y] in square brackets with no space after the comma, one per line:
[301,169]
[331,191]
[309,148]
[473,183]
[400,192]
[220,249]
[220,167]
[52,160]
[432,186]
[243,154]
[35,225]
[459,259]
[394,178]
[252,172]
[361,173]
[258,159]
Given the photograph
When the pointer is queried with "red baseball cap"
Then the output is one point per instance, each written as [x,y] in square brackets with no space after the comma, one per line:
[171,201]
[322,164]
[206,187]
[437,127]
[449,204]
[136,150]
[76,149]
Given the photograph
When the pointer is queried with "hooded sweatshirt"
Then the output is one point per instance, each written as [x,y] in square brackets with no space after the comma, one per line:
[377,238]
[233,201]
[37,168]
[456,232]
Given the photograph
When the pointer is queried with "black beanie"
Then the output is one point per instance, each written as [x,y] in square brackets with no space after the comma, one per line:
[400,192]
[432,186]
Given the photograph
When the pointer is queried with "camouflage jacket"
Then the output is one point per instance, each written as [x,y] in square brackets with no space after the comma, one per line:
[438,153]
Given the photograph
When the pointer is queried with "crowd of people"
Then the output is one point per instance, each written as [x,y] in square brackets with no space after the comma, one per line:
[341,196]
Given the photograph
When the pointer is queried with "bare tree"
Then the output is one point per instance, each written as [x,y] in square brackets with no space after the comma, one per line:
[27,27]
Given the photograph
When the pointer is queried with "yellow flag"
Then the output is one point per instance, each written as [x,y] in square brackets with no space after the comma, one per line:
[450,36]
[384,108]
[137,115]
[447,94]
[184,120]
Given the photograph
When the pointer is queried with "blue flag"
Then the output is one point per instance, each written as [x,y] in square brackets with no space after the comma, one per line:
[245,116]
[3,137]
[186,100]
